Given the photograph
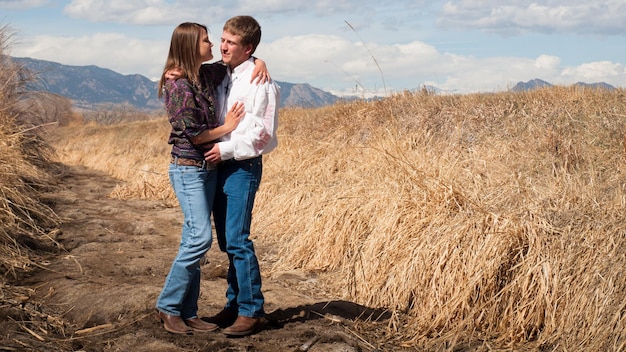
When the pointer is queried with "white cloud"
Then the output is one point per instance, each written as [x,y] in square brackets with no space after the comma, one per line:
[548,62]
[601,71]
[147,12]
[543,16]
[289,6]
[312,56]
[168,12]
[22,4]
[108,50]
[331,62]
[127,11]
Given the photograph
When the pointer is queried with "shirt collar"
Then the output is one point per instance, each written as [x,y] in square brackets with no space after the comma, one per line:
[241,68]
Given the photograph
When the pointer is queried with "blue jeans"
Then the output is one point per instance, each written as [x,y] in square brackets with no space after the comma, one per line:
[237,184]
[195,190]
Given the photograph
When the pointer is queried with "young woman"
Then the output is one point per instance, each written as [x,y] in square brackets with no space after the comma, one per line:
[190,105]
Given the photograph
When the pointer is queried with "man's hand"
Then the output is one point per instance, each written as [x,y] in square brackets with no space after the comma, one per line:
[213,155]
[174,73]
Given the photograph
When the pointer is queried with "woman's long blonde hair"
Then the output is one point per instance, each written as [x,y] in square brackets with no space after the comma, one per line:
[184,52]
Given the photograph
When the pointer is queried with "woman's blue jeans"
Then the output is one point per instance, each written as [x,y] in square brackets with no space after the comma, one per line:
[237,184]
[195,190]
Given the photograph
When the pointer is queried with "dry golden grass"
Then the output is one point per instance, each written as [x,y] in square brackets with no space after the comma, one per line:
[27,224]
[495,218]
[492,220]
[136,153]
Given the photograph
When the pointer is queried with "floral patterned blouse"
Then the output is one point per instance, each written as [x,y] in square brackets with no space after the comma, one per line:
[191,110]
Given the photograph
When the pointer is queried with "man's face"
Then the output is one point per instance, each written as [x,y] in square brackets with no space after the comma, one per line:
[233,52]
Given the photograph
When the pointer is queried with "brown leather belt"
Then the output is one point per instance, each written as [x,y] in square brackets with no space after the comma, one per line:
[191,162]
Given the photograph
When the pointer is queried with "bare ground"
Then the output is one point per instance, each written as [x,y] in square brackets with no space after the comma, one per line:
[98,293]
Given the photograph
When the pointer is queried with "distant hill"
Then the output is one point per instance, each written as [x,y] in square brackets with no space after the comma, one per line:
[537,83]
[530,85]
[90,87]
[304,95]
[601,85]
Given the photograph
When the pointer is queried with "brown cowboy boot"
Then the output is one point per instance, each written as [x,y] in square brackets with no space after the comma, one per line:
[244,326]
[174,324]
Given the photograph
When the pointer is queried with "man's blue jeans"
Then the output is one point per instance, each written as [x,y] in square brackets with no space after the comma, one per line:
[237,184]
[195,190]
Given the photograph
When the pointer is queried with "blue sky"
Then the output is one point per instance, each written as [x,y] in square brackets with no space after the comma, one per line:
[357,47]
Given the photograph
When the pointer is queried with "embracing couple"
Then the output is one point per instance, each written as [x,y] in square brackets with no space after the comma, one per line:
[224,117]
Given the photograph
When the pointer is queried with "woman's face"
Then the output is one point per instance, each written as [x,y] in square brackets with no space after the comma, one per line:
[205,52]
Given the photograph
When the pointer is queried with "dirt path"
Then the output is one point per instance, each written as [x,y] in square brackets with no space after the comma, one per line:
[104,285]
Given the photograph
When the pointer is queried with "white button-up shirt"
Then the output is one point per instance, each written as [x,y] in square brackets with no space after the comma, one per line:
[256,133]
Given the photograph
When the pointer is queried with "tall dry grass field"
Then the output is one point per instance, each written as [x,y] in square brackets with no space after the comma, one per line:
[27,223]
[492,220]
[136,153]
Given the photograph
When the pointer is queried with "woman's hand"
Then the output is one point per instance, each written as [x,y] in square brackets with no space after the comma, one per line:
[260,74]
[234,116]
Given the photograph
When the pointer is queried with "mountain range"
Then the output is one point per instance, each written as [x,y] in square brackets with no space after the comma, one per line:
[91,87]
[537,83]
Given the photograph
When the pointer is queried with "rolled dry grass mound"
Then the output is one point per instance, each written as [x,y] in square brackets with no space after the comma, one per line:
[27,223]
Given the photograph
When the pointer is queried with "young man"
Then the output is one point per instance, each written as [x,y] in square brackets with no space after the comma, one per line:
[239,159]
